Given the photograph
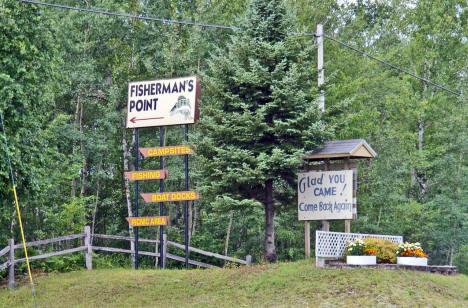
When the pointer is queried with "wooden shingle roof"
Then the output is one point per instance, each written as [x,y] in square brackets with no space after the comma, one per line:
[340,149]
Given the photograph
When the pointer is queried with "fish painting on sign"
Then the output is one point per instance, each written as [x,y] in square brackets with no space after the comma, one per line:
[181,107]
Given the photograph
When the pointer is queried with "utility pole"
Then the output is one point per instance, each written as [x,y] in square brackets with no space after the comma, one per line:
[321,76]
[321,105]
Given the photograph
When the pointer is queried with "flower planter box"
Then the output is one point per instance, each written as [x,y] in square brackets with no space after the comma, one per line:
[361,260]
[416,261]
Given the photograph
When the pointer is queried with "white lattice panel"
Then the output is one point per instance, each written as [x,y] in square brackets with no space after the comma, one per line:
[332,244]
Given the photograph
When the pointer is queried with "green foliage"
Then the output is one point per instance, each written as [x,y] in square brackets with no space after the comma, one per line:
[63,79]
[258,117]
[111,261]
[385,250]
[69,218]
[67,263]
[461,260]
[299,283]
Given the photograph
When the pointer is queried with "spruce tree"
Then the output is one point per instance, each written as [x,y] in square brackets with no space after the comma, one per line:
[258,116]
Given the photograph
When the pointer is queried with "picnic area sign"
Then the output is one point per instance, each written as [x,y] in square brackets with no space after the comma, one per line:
[325,195]
[163,102]
[148,221]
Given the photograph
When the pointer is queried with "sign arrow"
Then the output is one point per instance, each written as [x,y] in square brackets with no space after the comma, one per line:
[134,119]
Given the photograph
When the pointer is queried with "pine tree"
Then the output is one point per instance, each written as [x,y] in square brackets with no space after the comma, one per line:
[258,116]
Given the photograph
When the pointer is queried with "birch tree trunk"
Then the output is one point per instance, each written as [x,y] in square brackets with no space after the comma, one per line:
[76,123]
[228,234]
[270,249]
[126,154]
[84,168]
[98,188]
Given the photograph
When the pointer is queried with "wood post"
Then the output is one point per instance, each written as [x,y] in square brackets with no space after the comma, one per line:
[325,225]
[320,79]
[11,267]
[307,238]
[347,222]
[89,248]
[354,193]
[164,252]
[347,226]
[156,259]
[248,259]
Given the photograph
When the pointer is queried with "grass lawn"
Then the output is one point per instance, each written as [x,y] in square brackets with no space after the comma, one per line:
[296,284]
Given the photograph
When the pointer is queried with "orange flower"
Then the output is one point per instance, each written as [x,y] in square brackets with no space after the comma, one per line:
[369,251]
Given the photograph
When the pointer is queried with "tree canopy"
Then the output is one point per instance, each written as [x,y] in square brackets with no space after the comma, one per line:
[63,85]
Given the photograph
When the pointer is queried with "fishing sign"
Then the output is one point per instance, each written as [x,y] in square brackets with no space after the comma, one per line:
[325,195]
[163,102]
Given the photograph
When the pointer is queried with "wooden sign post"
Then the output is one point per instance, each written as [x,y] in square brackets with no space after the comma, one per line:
[319,194]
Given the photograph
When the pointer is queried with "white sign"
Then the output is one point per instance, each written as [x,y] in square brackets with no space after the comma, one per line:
[325,195]
[163,102]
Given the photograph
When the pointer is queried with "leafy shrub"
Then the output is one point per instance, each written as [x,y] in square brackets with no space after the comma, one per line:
[385,250]
[461,260]
[115,260]
[65,263]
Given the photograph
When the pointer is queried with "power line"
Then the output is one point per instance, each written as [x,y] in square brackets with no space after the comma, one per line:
[205,25]
[164,21]
[391,65]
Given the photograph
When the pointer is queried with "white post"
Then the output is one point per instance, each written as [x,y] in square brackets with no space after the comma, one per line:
[156,259]
[248,259]
[164,252]
[89,248]
[307,238]
[321,75]
[11,267]
[319,262]
[347,222]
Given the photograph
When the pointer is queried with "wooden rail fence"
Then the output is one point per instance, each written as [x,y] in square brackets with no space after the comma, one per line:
[88,248]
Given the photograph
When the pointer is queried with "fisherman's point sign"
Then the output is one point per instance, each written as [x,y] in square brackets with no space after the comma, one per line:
[325,195]
[163,102]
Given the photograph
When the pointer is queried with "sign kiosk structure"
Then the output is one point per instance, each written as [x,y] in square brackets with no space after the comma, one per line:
[154,103]
[327,191]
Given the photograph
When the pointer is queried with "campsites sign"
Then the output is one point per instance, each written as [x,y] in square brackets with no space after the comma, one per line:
[325,195]
[163,102]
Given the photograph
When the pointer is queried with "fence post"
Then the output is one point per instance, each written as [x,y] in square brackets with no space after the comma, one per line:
[156,259]
[164,252]
[11,267]
[89,248]
[248,258]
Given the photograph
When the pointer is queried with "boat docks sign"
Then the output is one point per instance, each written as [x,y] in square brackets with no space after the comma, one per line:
[325,195]
[163,102]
